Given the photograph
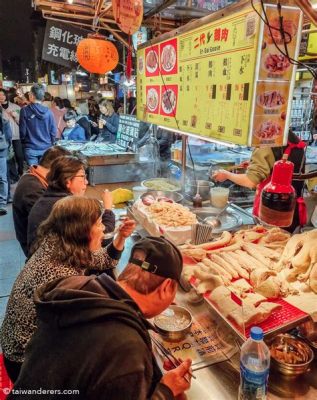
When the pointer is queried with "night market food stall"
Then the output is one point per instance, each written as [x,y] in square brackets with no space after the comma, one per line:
[240,273]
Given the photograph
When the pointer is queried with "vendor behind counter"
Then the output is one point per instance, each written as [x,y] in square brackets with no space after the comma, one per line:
[260,169]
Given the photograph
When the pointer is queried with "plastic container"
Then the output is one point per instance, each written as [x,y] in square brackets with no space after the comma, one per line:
[254,367]
[219,197]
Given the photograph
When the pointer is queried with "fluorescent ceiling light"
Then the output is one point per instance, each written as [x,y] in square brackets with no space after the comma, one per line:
[207,139]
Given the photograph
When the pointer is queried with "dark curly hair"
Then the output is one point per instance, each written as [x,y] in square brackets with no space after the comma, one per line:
[63,169]
[70,223]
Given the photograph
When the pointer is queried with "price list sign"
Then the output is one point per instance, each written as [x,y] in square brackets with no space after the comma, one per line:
[128,131]
[205,80]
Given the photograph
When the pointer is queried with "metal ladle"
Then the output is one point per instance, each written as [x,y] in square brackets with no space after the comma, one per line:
[215,222]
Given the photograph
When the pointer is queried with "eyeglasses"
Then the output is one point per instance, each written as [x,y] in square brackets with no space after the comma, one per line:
[81,176]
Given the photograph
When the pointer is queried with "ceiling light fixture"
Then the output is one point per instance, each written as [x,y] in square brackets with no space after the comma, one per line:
[70,1]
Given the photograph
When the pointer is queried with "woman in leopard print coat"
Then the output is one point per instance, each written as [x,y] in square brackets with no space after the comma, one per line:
[69,243]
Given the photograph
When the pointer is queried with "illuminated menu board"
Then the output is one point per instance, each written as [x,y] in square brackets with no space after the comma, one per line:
[203,81]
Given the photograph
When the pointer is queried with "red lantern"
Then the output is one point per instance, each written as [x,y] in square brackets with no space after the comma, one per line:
[128,14]
[97,55]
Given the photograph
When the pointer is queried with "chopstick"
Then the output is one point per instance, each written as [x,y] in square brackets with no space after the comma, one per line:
[171,358]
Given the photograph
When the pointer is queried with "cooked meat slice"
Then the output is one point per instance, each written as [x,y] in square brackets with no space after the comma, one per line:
[253,298]
[267,308]
[252,262]
[270,288]
[260,275]
[265,251]
[313,278]
[226,277]
[209,285]
[250,249]
[240,286]
[221,298]
[203,273]
[234,262]
[224,264]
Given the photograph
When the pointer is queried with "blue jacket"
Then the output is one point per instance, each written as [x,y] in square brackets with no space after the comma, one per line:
[76,133]
[37,127]
[5,136]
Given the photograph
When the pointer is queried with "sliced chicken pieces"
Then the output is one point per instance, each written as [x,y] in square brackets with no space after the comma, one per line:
[236,265]
[251,262]
[268,253]
[209,285]
[260,275]
[270,288]
[250,249]
[224,264]
[253,298]
[225,276]
[203,273]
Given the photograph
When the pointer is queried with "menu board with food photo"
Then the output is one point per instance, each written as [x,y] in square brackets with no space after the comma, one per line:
[274,64]
[169,100]
[168,57]
[224,79]
[270,113]
[152,61]
[153,99]
[276,77]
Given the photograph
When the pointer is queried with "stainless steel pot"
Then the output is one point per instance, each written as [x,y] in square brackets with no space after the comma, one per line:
[175,196]
[203,188]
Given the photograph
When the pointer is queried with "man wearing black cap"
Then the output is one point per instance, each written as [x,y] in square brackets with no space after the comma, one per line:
[93,335]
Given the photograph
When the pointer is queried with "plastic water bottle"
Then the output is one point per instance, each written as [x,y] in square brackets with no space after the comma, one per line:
[175,172]
[254,367]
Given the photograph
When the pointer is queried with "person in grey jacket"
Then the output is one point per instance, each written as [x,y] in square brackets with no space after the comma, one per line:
[5,143]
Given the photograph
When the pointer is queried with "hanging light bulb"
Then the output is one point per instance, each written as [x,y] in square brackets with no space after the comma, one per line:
[70,1]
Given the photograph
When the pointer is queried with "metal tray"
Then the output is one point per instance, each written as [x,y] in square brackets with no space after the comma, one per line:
[229,220]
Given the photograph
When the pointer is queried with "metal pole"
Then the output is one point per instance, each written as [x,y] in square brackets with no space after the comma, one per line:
[124,91]
[184,145]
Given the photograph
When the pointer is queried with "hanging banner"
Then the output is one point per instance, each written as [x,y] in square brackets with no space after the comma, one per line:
[60,43]
[204,81]
[128,14]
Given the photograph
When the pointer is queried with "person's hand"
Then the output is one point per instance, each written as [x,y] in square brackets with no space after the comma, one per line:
[244,164]
[107,199]
[220,175]
[126,228]
[175,379]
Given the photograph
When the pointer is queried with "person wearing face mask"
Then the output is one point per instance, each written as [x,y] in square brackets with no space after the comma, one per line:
[69,243]
[108,122]
[72,131]
[66,177]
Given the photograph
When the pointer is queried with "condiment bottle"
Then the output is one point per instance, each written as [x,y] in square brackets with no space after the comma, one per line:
[278,196]
[197,201]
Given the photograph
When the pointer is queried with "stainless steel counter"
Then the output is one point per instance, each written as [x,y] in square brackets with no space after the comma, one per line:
[221,381]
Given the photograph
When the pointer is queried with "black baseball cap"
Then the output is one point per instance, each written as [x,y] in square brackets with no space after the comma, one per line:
[162,257]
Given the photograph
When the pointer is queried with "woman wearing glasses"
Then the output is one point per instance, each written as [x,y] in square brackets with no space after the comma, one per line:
[69,243]
[66,177]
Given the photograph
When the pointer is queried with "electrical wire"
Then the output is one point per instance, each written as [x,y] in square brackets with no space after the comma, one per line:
[282,33]
[171,107]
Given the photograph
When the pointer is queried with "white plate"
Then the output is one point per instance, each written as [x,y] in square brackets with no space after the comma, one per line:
[151,69]
[168,58]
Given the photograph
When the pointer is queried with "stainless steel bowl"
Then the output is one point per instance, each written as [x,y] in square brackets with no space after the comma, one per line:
[287,344]
[166,331]
[203,188]
[177,197]
[308,331]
